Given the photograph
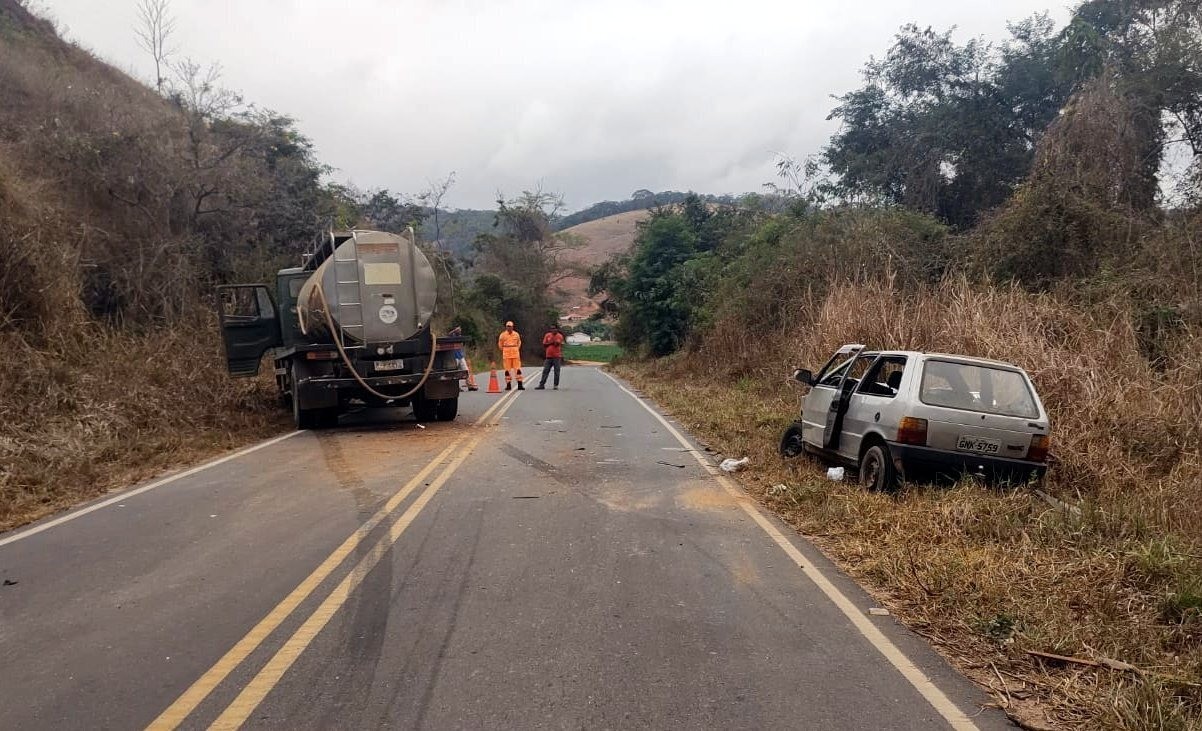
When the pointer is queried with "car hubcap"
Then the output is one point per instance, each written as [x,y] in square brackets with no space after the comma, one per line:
[872,471]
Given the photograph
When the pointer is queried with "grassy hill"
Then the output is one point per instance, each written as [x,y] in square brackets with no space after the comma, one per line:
[601,239]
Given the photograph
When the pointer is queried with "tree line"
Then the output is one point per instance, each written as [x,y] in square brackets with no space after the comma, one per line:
[1037,160]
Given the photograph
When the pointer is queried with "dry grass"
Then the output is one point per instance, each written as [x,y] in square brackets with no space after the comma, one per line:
[105,409]
[988,574]
[92,227]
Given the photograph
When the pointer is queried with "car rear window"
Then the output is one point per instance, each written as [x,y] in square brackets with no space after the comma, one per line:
[977,388]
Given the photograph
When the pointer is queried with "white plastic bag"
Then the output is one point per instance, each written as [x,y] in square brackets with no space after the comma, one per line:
[734,465]
[835,473]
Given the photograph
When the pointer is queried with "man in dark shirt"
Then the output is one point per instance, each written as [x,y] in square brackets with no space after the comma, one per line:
[553,342]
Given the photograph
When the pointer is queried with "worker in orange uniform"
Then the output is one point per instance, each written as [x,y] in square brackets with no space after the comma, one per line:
[510,343]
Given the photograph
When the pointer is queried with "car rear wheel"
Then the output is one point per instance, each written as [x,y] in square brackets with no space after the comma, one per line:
[877,471]
[791,444]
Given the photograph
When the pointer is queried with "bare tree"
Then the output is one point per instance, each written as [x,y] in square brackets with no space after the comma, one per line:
[153,30]
[432,199]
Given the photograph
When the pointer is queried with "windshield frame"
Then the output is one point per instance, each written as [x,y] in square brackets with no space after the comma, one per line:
[1036,406]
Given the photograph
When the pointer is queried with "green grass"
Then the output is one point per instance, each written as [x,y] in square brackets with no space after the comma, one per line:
[601,353]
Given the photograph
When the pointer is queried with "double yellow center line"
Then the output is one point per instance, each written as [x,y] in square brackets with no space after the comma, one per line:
[257,689]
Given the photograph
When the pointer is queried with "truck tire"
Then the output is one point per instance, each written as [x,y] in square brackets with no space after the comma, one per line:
[877,472]
[322,418]
[424,409]
[447,409]
[304,418]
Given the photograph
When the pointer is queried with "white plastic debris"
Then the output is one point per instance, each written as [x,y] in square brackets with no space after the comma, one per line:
[878,611]
[835,473]
[734,465]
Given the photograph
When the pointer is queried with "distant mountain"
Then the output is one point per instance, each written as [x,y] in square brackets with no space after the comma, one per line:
[458,229]
[641,200]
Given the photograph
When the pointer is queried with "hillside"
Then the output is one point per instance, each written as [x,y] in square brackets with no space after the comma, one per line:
[601,239]
[642,200]
[120,209]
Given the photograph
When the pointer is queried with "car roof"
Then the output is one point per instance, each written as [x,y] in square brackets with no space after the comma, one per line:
[943,356]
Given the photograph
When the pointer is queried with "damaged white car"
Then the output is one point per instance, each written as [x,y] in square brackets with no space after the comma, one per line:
[894,415]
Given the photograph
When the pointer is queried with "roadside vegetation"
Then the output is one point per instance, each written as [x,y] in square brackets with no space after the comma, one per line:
[594,353]
[1056,241]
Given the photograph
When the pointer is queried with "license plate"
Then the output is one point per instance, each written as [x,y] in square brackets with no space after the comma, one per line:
[978,445]
[389,365]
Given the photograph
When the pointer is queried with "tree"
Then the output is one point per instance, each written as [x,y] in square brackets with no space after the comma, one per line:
[522,261]
[153,31]
[386,212]
[432,199]
[1153,51]
[944,128]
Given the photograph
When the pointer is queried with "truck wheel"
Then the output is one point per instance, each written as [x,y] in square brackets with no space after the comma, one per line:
[424,409]
[791,444]
[877,472]
[308,418]
[304,418]
[448,409]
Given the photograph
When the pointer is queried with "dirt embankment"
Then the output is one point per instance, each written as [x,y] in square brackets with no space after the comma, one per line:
[110,363]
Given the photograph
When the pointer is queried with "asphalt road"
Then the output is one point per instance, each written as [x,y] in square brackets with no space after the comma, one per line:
[550,560]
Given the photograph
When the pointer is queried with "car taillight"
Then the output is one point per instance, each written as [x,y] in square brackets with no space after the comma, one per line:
[912,430]
[1041,444]
[321,355]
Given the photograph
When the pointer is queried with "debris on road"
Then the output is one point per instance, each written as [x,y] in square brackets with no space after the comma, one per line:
[878,611]
[669,464]
[9,582]
[836,474]
[734,465]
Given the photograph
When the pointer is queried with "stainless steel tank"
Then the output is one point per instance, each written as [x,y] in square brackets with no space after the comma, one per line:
[379,286]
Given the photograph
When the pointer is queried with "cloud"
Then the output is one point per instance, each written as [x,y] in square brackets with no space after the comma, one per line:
[592,99]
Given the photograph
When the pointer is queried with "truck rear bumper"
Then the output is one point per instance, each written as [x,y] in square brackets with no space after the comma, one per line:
[400,379]
[924,461]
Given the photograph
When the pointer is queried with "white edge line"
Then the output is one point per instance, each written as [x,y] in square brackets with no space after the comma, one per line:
[125,495]
[911,672]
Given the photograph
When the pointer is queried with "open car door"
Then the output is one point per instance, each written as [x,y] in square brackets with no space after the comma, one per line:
[842,398]
[250,324]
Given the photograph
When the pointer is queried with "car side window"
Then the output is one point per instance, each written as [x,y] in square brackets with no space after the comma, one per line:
[885,377]
[835,375]
[859,369]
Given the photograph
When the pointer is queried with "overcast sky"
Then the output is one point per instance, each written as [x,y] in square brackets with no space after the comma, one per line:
[591,99]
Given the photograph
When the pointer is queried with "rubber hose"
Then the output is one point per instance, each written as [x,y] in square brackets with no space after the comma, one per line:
[325,308]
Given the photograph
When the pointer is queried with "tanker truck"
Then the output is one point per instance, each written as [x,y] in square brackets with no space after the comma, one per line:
[351,325]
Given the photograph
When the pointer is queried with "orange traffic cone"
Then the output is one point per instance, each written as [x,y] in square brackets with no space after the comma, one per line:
[493,386]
